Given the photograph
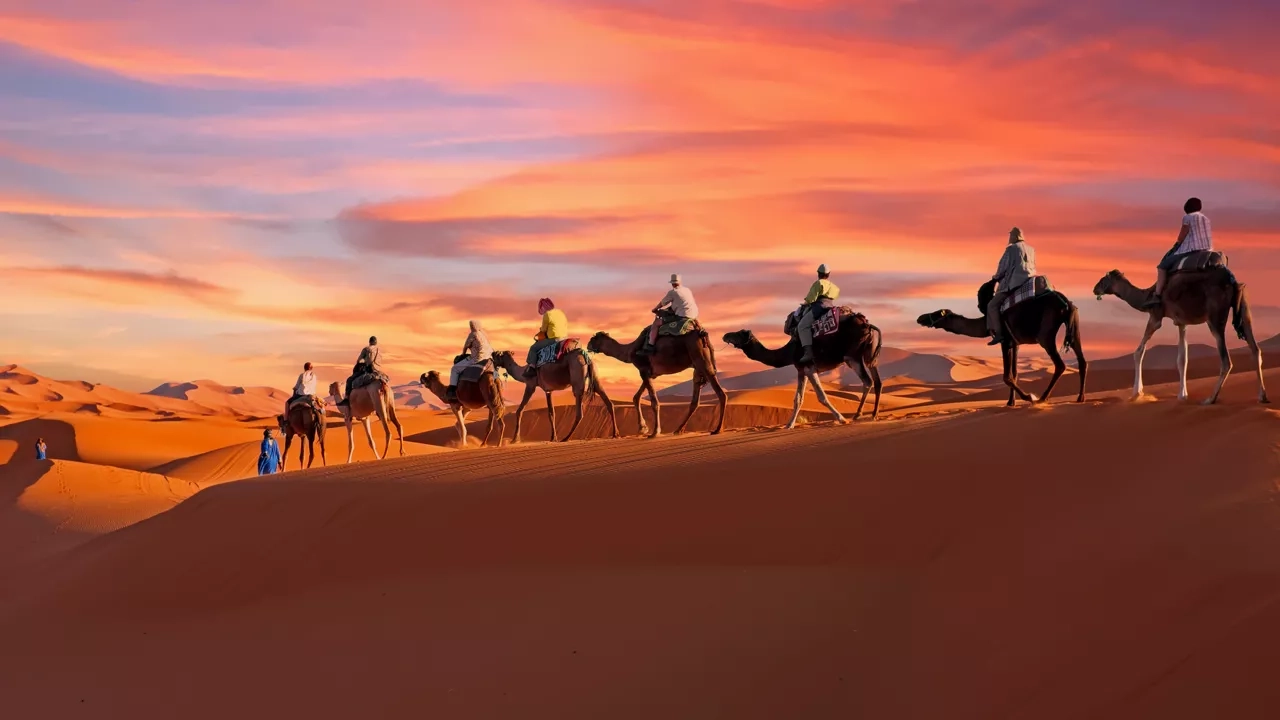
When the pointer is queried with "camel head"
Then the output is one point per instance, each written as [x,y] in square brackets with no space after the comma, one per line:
[502,358]
[283,423]
[934,319]
[1107,285]
[739,339]
[429,378]
[597,341]
[335,389]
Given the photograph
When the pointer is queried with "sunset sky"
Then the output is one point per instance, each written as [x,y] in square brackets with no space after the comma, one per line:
[228,189]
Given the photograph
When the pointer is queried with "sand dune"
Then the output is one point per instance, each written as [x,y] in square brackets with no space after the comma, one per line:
[218,398]
[50,506]
[826,572]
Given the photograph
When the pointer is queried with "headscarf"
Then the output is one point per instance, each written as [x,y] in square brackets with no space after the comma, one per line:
[481,336]
[1015,235]
[544,305]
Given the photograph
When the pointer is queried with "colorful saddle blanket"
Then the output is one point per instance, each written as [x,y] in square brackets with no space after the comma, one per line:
[826,322]
[1033,288]
[553,353]
[1199,260]
[475,372]
[677,326]
[368,379]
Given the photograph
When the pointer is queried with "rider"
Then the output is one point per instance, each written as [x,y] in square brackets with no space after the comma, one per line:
[304,387]
[678,302]
[822,293]
[1194,236]
[477,349]
[1017,266]
[555,327]
[370,361]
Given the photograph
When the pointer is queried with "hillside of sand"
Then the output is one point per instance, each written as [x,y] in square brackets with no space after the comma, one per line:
[826,572]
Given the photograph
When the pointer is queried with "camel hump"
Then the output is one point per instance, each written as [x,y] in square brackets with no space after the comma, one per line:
[474,373]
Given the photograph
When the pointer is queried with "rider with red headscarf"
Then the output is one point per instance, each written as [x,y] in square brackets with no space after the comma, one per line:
[555,327]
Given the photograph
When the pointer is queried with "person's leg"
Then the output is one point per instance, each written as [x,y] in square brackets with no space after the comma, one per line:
[653,334]
[805,330]
[993,316]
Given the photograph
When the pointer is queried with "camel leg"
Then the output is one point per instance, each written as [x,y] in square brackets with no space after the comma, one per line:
[1257,362]
[284,456]
[644,426]
[1182,362]
[1059,367]
[822,398]
[311,448]
[608,407]
[528,393]
[1081,364]
[351,440]
[324,461]
[1219,334]
[488,429]
[801,379]
[460,417]
[647,386]
[368,433]
[381,411]
[723,398]
[876,385]
[699,381]
[579,396]
[1153,324]
[865,377]
[551,415]
[1011,377]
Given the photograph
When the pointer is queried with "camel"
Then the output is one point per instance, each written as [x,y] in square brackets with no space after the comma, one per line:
[374,398]
[856,341]
[574,369]
[1034,321]
[486,393]
[671,355]
[305,421]
[1191,298]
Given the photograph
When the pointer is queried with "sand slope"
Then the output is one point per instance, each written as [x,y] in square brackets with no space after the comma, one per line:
[1106,567]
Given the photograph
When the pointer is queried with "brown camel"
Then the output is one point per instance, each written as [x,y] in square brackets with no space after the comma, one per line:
[1190,298]
[472,395]
[856,343]
[671,355]
[573,369]
[1034,321]
[305,421]
[372,399]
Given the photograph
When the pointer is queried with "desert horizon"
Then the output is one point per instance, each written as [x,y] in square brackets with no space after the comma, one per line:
[639,359]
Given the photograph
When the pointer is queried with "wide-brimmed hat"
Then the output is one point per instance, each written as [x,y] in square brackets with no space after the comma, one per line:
[1015,235]
[822,269]
[675,279]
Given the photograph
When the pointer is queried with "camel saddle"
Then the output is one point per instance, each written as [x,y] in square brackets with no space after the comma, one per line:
[311,400]
[369,378]
[825,322]
[1031,289]
[675,326]
[553,353]
[1199,260]
[475,372]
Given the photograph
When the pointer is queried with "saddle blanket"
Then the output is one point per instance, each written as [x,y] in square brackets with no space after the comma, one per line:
[369,379]
[1033,288]
[826,320]
[306,400]
[475,372]
[1200,260]
[678,326]
[553,353]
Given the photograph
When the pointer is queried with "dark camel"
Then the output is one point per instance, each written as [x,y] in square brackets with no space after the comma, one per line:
[472,395]
[1190,298]
[305,421]
[856,343]
[574,369]
[1035,321]
[671,355]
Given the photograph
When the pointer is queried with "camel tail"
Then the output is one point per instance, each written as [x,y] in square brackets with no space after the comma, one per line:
[391,403]
[1240,316]
[875,353]
[1073,328]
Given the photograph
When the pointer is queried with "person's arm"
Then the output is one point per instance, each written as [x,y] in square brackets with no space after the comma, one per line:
[665,302]
[1005,262]
[1182,234]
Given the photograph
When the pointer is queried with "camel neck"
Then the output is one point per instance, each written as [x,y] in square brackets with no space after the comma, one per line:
[1132,295]
[969,327]
[773,357]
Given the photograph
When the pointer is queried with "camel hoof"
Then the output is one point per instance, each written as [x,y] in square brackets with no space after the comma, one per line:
[715,432]
[843,421]
[1209,401]
[1263,400]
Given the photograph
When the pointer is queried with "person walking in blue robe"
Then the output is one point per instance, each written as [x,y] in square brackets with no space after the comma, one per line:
[269,457]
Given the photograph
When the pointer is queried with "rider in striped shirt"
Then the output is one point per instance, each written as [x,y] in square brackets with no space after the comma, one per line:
[1194,237]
